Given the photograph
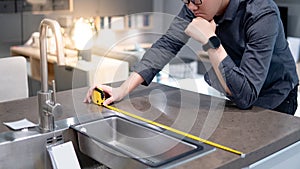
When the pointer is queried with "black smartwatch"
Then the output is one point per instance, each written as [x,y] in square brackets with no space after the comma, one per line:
[213,43]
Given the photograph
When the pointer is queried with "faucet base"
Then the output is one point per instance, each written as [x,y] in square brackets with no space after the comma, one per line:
[46,118]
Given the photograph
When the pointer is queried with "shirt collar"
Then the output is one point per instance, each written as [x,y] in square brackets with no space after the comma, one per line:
[230,12]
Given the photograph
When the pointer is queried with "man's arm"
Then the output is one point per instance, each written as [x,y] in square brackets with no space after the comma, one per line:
[242,83]
[153,60]
[202,35]
[116,94]
[133,81]
[165,48]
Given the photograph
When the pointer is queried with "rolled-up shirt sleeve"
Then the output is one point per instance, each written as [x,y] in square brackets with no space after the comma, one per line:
[166,48]
[246,80]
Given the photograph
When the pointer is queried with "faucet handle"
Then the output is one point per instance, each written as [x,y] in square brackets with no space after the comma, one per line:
[53,97]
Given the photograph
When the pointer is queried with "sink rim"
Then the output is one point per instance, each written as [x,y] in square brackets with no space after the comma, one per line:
[200,147]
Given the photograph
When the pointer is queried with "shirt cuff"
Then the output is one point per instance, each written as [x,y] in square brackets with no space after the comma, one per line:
[147,73]
[211,78]
[226,67]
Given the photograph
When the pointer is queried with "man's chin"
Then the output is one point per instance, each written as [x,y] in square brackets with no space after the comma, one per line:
[208,19]
[204,17]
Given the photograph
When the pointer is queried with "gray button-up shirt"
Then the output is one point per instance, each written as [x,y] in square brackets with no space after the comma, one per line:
[259,69]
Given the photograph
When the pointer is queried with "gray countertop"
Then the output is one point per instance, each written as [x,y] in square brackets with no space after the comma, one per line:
[256,132]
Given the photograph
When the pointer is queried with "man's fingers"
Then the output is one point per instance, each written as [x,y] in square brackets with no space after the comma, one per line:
[106,89]
[88,96]
[108,101]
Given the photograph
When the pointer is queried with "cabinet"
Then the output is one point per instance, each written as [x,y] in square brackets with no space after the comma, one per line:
[137,6]
[7,6]
[14,6]
[11,32]
[67,77]
[89,8]
[11,6]
[48,5]
[293,16]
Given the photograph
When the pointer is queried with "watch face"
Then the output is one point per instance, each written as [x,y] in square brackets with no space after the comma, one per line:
[215,42]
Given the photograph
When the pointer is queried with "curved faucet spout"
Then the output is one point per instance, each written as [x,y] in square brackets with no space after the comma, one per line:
[55,27]
[48,107]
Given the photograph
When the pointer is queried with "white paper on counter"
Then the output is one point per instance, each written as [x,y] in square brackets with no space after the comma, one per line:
[20,124]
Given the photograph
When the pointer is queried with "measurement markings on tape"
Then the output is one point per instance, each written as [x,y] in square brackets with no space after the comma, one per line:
[98,98]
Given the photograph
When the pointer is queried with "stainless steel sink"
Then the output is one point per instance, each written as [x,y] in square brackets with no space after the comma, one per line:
[28,149]
[117,138]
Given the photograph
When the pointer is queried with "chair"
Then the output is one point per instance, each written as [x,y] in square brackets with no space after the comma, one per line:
[13,78]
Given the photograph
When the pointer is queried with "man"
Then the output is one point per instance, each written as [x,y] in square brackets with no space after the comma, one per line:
[245,41]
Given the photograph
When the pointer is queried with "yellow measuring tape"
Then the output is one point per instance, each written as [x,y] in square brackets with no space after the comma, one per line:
[98,98]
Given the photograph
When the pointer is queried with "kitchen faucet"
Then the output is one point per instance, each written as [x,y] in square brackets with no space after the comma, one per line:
[48,108]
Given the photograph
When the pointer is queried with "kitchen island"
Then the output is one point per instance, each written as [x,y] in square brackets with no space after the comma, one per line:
[256,132]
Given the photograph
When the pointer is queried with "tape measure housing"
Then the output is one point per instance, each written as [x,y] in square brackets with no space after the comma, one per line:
[98,96]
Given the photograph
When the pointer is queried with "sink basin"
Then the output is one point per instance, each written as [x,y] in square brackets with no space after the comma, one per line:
[27,149]
[143,143]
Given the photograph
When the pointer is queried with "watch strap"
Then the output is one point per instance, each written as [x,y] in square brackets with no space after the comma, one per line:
[206,46]
[213,42]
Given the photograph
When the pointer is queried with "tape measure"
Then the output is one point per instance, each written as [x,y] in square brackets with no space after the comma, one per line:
[98,98]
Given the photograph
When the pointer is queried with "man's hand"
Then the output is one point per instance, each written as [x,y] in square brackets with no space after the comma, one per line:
[201,30]
[116,94]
